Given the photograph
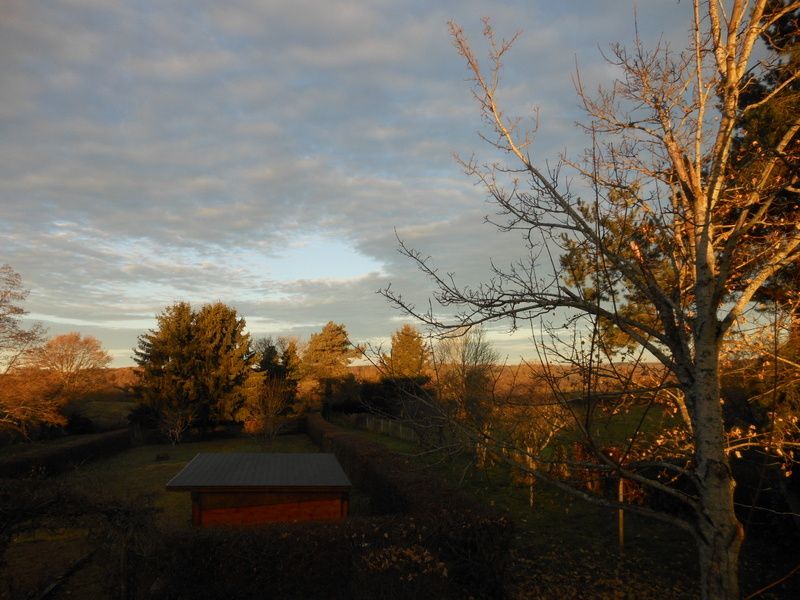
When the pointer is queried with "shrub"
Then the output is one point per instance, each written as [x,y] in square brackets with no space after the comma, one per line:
[55,459]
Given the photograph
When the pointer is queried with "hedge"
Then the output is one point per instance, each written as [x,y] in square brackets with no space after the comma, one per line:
[63,456]
[471,538]
[430,542]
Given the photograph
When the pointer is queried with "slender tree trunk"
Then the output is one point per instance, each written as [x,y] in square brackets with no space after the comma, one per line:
[719,534]
[531,464]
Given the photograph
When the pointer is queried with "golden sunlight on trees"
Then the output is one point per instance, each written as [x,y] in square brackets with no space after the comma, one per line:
[193,367]
[27,399]
[464,372]
[653,237]
[73,361]
[409,356]
[267,399]
[774,99]
[271,389]
[325,361]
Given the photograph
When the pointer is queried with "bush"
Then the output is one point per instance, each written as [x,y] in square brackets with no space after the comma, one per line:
[58,458]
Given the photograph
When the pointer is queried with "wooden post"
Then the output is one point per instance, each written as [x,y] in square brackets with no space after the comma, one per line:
[196,510]
[621,514]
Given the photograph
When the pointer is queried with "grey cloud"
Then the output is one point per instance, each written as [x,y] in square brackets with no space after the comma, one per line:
[149,149]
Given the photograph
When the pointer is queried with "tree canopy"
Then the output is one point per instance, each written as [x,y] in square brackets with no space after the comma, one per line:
[73,360]
[409,355]
[328,353]
[193,366]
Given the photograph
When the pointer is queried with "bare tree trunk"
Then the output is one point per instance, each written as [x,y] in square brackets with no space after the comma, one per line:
[530,463]
[719,534]
[719,561]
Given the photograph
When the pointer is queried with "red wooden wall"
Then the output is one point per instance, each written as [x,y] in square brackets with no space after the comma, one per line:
[247,508]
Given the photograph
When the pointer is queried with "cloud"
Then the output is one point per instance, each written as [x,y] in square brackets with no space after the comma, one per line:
[178,67]
[264,153]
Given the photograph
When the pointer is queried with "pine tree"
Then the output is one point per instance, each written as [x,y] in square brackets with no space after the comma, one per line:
[409,356]
[290,358]
[328,353]
[225,358]
[268,358]
[193,366]
[167,359]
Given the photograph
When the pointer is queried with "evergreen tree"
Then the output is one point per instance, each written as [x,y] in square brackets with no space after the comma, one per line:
[328,353]
[409,356]
[268,358]
[225,361]
[290,358]
[775,98]
[278,362]
[167,357]
[193,366]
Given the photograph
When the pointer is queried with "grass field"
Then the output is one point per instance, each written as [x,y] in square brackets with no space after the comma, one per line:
[143,471]
[134,477]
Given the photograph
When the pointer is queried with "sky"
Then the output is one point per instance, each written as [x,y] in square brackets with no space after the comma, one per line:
[268,154]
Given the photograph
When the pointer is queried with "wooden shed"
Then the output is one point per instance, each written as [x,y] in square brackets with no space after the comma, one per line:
[242,489]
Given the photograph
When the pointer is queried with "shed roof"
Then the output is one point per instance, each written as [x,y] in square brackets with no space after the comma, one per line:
[260,471]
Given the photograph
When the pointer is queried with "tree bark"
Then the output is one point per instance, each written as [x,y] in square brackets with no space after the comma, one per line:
[719,536]
[719,533]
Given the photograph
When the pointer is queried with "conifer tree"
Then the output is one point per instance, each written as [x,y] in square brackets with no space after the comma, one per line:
[167,358]
[225,361]
[193,366]
[409,356]
[328,353]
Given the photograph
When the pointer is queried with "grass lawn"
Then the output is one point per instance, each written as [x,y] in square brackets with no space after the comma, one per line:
[143,471]
[137,475]
[25,447]
[608,428]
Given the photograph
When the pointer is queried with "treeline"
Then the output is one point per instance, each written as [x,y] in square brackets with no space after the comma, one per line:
[39,377]
[199,368]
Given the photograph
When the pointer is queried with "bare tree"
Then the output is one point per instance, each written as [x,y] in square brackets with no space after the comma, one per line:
[664,251]
[267,399]
[72,360]
[174,420]
[15,340]
[465,368]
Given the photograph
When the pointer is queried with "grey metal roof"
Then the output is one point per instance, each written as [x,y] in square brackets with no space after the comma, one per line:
[254,471]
